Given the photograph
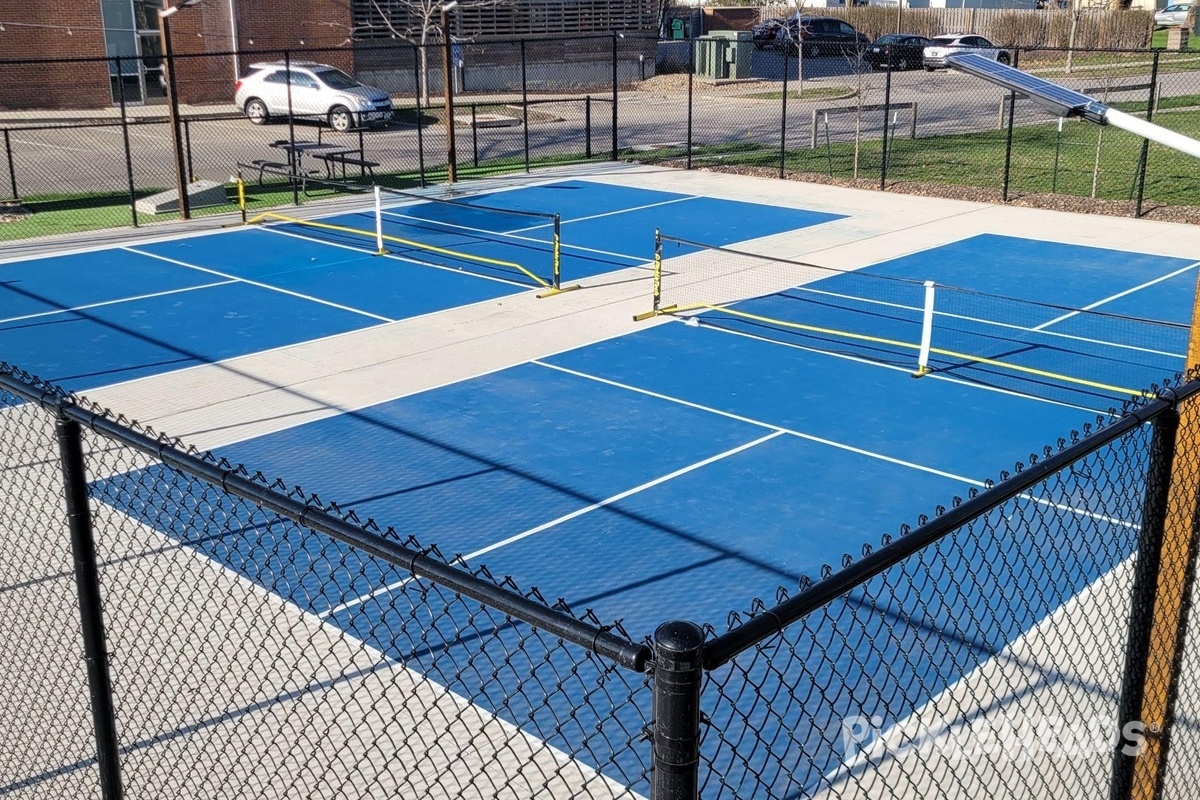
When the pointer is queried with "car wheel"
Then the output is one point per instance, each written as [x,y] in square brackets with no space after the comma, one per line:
[340,118]
[1003,58]
[814,51]
[929,69]
[902,65]
[256,111]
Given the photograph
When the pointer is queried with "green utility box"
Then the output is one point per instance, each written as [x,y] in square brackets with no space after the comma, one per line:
[735,50]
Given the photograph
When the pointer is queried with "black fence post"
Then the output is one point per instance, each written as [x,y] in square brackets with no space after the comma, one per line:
[91,614]
[887,113]
[783,119]
[12,172]
[1144,158]
[420,135]
[187,148]
[125,137]
[587,126]
[1145,584]
[678,678]
[1008,138]
[475,136]
[525,104]
[691,95]
[614,95]
[292,155]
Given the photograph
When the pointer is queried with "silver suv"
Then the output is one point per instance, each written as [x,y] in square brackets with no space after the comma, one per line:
[317,90]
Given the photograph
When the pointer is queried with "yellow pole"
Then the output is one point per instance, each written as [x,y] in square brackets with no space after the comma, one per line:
[1167,626]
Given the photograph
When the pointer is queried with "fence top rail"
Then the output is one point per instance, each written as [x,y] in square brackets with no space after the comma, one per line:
[605,641]
[772,621]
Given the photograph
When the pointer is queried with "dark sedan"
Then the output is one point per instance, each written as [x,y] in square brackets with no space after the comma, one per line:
[896,51]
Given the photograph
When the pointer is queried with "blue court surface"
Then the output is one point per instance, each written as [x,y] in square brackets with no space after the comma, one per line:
[95,318]
[685,470]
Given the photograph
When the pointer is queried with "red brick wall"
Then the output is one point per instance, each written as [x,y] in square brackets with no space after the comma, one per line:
[312,30]
[60,85]
[202,38]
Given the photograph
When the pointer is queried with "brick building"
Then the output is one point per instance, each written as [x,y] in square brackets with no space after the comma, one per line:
[112,48]
[98,53]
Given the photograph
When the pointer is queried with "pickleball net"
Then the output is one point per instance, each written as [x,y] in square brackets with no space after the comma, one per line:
[507,244]
[1077,355]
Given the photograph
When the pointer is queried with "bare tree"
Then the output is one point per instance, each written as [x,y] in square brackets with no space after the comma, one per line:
[419,22]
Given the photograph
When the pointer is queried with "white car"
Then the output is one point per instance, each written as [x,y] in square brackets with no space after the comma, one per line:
[950,44]
[317,91]
[1172,15]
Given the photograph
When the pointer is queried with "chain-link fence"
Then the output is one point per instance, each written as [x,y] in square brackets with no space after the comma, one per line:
[178,626]
[526,103]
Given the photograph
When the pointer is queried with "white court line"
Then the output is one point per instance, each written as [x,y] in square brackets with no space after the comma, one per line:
[545,526]
[1118,295]
[610,214]
[516,234]
[395,257]
[114,302]
[266,286]
[819,440]
[1009,325]
[932,376]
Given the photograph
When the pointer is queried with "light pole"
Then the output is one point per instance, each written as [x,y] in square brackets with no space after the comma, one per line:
[164,32]
[448,92]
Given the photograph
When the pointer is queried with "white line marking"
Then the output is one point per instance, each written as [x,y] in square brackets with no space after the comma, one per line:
[1119,295]
[266,286]
[634,208]
[1008,325]
[819,440]
[54,146]
[114,302]
[905,370]
[545,526]
[516,234]
[394,257]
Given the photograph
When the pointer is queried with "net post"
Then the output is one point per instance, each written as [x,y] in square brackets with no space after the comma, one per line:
[926,331]
[657,290]
[556,265]
[378,223]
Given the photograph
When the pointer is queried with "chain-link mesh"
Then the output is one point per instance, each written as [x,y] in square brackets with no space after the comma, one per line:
[48,749]
[992,662]
[255,656]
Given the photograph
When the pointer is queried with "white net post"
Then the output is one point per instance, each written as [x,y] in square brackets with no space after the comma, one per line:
[926,332]
[378,222]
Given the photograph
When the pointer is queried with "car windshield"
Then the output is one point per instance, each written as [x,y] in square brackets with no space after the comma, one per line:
[891,38]
[336,79]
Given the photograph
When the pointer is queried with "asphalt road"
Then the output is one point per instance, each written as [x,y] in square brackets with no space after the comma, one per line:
[88,159]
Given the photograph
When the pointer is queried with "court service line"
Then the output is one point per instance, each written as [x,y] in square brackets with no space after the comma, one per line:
[819,440]
[114,302]
[579,512]
[266,286]
[395,257]
[1118,295]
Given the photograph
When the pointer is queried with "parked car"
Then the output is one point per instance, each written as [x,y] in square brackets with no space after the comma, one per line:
[1172,15]
[317,91]
[941,47]
[766,34]
[825,36]
[896,51]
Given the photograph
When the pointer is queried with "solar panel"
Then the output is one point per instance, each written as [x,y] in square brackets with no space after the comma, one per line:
[1058,100]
